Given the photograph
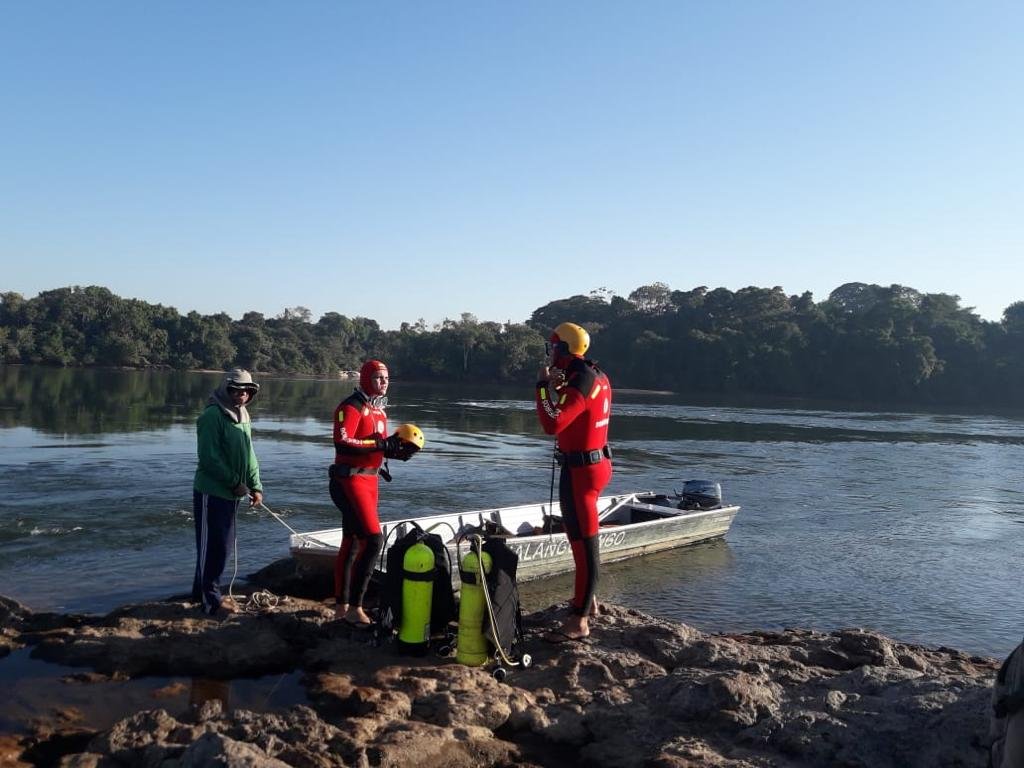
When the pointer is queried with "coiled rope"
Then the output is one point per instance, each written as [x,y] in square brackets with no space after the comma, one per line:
[263,600]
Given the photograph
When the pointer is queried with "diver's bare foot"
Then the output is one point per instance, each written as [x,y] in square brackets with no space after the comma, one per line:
[595,609]
[576,627]
[357,616]
[340,609]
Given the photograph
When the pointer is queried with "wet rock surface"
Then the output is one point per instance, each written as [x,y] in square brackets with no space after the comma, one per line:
[640,692]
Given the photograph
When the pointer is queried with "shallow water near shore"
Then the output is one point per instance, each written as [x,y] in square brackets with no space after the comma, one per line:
[40,693]
[909,523]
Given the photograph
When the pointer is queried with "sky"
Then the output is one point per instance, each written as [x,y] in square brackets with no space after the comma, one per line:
[418,160]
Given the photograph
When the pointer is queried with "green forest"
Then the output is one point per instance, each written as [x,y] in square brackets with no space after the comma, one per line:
[865,342]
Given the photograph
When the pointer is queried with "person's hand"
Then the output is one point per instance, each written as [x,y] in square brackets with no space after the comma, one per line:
[255,498]
[397,448]
[543,373]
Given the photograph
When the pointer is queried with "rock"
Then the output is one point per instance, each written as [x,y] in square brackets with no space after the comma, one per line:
[135,734]
[641,692]
[88,678]
[13,614]
[48,744]
[217,749]
[339,696]
[170,691]
[286,577]
[11,750]
[177,639]
[13,618]
[84,760]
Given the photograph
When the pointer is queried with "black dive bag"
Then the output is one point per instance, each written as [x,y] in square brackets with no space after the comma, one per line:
[504,592]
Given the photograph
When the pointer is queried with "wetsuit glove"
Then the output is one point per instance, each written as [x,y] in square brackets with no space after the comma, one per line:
[396,448]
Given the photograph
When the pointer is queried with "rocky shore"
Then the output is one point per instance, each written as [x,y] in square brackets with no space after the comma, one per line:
[639,692]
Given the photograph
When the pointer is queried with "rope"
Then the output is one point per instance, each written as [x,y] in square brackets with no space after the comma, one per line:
[273,690]
[263,600]
[259,601]
[551,496]
[234,572]
[304,536]
[278,518]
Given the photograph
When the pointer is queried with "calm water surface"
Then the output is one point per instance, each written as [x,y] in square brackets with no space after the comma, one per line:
[908,523]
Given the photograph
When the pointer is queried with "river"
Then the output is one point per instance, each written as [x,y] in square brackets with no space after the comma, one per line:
[905,522]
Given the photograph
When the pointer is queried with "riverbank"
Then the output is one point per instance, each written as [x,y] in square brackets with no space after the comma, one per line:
[639,692]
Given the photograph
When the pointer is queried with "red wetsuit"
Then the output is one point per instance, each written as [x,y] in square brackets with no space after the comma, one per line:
[578,414]
[359,428]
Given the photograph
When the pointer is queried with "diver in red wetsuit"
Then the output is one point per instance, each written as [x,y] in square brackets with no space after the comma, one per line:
[361,444]
[574,399]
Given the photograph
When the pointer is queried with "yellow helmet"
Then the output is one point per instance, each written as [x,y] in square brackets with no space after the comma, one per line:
[571,339]
[410,433]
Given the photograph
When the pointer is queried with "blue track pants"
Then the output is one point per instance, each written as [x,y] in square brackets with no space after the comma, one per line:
[215,534]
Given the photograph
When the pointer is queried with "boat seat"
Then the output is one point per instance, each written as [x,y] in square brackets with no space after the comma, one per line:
[552,524]
[489,525]
[643,515]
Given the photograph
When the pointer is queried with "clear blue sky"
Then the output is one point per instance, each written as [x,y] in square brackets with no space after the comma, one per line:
[420,160]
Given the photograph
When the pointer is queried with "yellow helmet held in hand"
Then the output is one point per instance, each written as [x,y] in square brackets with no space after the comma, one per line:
[410,433]
[576,341]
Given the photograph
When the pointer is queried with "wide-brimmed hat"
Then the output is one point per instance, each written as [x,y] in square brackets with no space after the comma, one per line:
[239,378]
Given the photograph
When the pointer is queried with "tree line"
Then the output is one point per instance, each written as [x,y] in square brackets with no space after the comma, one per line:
[864,342]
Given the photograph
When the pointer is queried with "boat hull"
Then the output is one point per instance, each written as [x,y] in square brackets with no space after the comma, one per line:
[632,525]
[541,556]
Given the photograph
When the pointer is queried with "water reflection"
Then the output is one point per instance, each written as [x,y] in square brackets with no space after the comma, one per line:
[73,401]
[64,401]
[40,693]
[206,689]
[640,583]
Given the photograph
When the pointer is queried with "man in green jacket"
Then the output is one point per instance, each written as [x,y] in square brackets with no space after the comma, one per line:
[227,472]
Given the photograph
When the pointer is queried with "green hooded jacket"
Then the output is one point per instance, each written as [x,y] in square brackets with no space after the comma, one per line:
[226,455]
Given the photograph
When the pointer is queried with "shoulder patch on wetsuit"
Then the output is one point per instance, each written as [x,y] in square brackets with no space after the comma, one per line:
[356,400]
[581,377]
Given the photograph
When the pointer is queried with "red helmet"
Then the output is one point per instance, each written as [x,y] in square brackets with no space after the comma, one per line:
[369,368]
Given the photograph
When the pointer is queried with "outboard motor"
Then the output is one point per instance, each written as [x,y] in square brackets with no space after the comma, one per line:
[701,494]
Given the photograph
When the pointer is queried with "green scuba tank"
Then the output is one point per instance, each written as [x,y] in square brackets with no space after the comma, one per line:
[417,592]
[472,645]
